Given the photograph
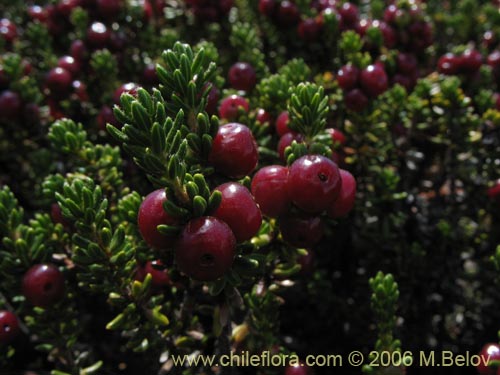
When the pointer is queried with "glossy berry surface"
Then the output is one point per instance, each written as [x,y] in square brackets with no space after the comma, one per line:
[286,140]
[345,201]
[9,327]
[43,285]
[373,80]
[70,64]
[238,210]
[263,116]
[338,138]
[448,64]
[309,30]
[234,151]
[129,88]
[282,123]
[267,7]
[159,274]
[269,188]
[151,214]
[242,76]
[212,100]
[471,60]
[314,182]
[59,81]
[98,35]
[356,100]
[205,249]
[348,77]
[288,13]
[231,106]
[490,352]
[10,105]
[301,230]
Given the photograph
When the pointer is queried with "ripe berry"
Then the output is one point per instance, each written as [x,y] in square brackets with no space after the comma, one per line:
[373,80]
[9,327]
[494,191]
[263,117]
[159,275]
[212,100]
[234,151]
[230,107]
[286,140]
[106,116]
[109,8]
[8,30]
[490,352]
[269,187]
[57,216]
[347,77]
[10,105]
[151,214]
[350,14]
[288,13]
[345,201]
[314,182]
[338,138]
[43,285]
[407,63]
[59,82]
[65,7]
[78,50]
[37,13]
[470,61]
[301,230]
[267,7]
[242,76]
[205,249]
[129,88]
[238,210]
[309,30]
[70,64]
[448,64]
[98,35]
[149,76]
[282,124]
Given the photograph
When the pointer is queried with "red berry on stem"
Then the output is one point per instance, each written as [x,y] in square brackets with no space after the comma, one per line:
[98,35]
[345,201]
[230,107]
[242,76]
[470,61]
[263,116]
[448,64]
[70,64]
[106,116]
[10,105]
[159,275]
[78,50]
[9,327]
[301,230]
[43,285]
[8,30]
[407,63]
[338,137]
[37,13]
[286,140]
[234,151]
[374,80]
[59,82]
[314,182]
[355,100]
[212,100]
[309,30]
[267,7]
[282,123]
[348,77]
[149,76]
[238,210]
[151,214]
[490,352]
[129,88]
[349,13]
[206,248]
[269,187]
[288,13]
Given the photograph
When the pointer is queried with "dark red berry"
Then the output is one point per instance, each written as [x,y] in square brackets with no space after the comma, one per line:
[242,76]
[314,182]
[309,30]
[301,230]
[43,285]
[338,138]
[234,151]
[494,191]
[106,116]
[212,100]
[78,50]
[355,100]
[288,13]
[206,249]
[118,41]
[267,7]
[392,14]
[286,140]
[80,90]
[9,327]
[407,63]
[238,210]
[159,274]
[282,123]
[449,64]
[31,114]
[263,117]
[129,88]
[493,59]
[269,187]
[490,352]
[8,30]
[470,61]
[109,9]
[149,75]
[151,214]
[57,216]
[65,7]
[299,369]
[10,105]
[349,13]
[70,64]
[98,35]
[230,107]
[37,13]
[59,82]
[373,80]
[348,77]
[345,201]
[388,33]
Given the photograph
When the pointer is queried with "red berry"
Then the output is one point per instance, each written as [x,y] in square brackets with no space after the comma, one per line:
[494,191]
[234,151]
[286,140]
[282,123]
[230,107]
[78,50]
[345,201]
[448,64]
[57,216]
[349,13]
[470,61]
[106,116]
[37,13]
[242,76]
[10,105]
[288,13]
[263,117]
[314,182]
[269,187]
[109,8]
[490,352]
[9,327]
[309,30]
[301,230]
[65,7]
[70,64]
[338,138]
[8,30]
[43,285]
[212,100]
[149,76]
[151,214]
[392,14]
[407,63]
[59,82]
[388,33]
[159,275]
[267,7]
[238,210]
[493,59]
[355,100]
[206,249]
[129,88]
[348,77]
[374,80]
[98,35]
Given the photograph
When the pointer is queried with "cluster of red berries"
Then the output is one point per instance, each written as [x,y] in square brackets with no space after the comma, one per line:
[490,360]
[359,85]
[210,10]
[467,63]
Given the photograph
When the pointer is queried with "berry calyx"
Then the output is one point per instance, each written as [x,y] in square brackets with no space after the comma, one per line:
[234,151]
[230,107]
[269,187]
[238,210]
[43,285]
[151,214]
[9,327]
[206,248]
[345,201]
[314,182]
[242,76]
